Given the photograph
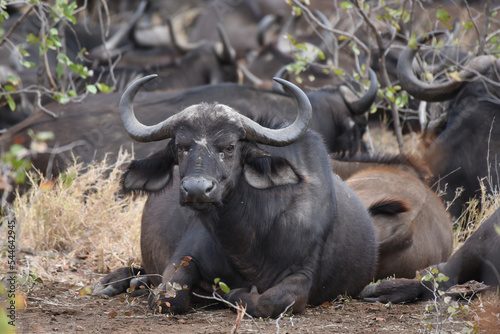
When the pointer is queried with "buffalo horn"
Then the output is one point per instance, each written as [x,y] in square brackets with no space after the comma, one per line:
[109,48]
[181,47]
[254,131]
[224,50]
[280,74]
[434,92]
[360,105]
[284,136]
[264,25]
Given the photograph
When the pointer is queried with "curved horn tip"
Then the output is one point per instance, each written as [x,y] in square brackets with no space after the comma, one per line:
[226,51]
[134,87]
[145,79]
[284,82]
[296,91]
[287,84]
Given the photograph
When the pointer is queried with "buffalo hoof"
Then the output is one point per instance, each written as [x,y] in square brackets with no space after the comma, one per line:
[119,281]
[394,291]
[162,301]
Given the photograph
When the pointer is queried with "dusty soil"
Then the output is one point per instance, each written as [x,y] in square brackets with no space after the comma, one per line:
[58,307]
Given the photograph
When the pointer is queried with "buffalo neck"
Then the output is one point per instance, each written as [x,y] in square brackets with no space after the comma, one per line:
[254,228]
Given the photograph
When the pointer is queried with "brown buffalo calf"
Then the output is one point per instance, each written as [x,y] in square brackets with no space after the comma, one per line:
[413,228]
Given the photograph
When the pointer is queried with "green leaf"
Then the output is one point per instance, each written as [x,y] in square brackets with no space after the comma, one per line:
[61,98]
[59,70]
[32,39]
[405,17]
[355,49]
[10,101]
[27,64]
[63,58]
[339,72]
[13,80]
[346,5]
[412,43]
[224,287]
[104,88]
[321,55]
[91,89]
[444,17]
[20,176]
[70,18]
[297,10]
[9,88]
[16,149]
[468,26]
[427,277]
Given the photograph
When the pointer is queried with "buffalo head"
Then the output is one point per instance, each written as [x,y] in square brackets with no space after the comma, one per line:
[213,145]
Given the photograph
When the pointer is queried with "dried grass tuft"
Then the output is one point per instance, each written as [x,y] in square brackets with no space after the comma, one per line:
[82,215]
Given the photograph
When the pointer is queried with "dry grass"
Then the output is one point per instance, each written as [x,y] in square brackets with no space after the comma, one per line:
[477,211]
[80,215]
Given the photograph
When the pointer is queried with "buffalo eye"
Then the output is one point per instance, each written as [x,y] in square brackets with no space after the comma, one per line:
[180,148]
[229,149]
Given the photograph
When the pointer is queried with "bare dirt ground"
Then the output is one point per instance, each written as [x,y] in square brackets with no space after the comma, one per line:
[56,307]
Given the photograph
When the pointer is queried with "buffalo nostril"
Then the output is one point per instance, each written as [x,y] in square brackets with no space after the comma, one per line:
[198,186]
[210,187]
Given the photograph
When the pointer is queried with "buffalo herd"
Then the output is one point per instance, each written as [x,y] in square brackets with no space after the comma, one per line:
[274,189]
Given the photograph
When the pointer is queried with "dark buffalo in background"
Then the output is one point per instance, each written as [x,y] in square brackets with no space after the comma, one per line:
[257,207]
[464,144]
[413,228]
[36,84]
[203,64]
[477,259]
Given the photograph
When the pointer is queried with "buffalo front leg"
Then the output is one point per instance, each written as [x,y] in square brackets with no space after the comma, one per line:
[173,296]
[290,294]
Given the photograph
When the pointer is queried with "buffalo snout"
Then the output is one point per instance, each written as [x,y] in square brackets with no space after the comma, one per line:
[196,190]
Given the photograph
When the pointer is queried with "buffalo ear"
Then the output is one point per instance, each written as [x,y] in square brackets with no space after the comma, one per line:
[263,171]
[151,174]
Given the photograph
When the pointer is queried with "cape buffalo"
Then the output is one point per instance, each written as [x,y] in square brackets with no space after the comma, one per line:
[478,259]
[467,140]
[413,228]
[256,206]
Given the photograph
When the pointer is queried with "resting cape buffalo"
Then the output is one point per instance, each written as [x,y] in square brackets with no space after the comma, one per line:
[413,228]
[254,205]
[478,259]
[467,139]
